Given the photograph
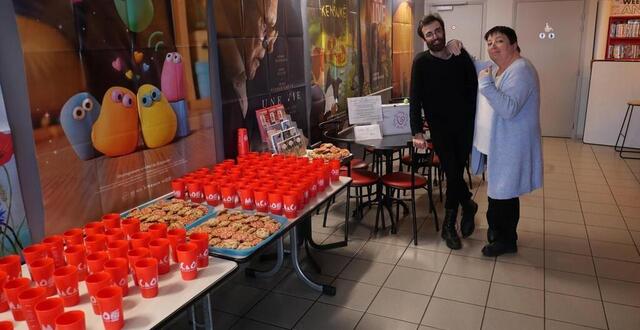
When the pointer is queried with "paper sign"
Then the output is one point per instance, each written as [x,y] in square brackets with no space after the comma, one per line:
[395,119]
[367,132]
[364,110]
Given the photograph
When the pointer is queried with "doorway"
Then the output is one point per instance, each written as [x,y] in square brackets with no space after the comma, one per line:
[550,36]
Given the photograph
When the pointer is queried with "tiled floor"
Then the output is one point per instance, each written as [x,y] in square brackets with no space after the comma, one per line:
[578,265]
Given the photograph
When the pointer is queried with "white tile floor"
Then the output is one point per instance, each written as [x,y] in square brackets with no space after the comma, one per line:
[578,265]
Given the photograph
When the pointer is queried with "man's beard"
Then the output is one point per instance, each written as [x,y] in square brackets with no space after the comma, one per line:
[436,47]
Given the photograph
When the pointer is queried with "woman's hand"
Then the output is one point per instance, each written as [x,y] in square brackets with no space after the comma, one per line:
[454,47]
[484,73]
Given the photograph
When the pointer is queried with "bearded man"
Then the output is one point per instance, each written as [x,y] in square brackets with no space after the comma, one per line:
[444,89]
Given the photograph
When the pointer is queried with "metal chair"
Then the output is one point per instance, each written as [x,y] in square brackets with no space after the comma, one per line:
[396,182]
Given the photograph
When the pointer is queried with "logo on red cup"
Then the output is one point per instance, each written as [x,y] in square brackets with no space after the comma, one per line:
[111,317]
[45,282]
[261,203]
[189,268]
[122,282]
[164,260]
[229,199]
[275,206]
[213,197]
[290,208]
[248,202]
[150,285]
[195,194]
[68,292]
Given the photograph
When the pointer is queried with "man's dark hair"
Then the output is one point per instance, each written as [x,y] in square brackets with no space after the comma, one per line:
[507,31]
[428,20]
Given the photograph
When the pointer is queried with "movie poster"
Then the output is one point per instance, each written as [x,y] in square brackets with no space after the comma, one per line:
[261,59]
[335,59]
[14,230]
[403,32]
[375,41]
[110,91]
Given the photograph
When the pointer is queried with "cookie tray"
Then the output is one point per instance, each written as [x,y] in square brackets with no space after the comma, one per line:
[241,254]
[210,213]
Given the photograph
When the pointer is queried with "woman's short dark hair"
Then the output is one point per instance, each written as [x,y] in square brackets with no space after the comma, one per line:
[507,31]
[428,20]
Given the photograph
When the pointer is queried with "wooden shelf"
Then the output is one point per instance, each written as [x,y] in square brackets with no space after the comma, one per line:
[617,46]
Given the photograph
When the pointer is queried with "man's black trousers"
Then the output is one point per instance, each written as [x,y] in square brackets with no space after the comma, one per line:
[453,146]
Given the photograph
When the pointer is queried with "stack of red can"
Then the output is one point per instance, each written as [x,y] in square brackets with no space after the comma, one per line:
[259,181]
[102,254]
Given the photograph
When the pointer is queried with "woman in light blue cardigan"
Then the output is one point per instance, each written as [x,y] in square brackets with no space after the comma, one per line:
[514,155]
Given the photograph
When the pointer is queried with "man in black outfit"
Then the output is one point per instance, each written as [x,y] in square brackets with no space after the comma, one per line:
[445,88]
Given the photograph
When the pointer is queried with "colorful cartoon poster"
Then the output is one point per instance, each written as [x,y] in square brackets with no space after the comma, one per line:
[111,92]
[14,230]
[261,58]
[402,45]
[375,45]
[335,59]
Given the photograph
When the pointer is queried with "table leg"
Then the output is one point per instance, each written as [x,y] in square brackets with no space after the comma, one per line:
[209,312]
[325,289]
[279,262]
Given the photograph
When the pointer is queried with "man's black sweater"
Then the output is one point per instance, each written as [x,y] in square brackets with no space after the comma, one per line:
[446,90]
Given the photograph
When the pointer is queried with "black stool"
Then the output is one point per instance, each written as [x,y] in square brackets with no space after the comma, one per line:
[621,148]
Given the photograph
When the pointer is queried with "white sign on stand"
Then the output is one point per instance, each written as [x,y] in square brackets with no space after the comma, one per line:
[365,109]
[367,132]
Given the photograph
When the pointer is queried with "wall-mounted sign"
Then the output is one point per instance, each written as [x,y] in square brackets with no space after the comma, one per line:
[548,32]
[625,7]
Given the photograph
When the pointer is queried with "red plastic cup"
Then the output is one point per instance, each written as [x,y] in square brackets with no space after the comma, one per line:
[96,260]
[94,228]
[6,325]
[159,249]
[111,220]
[188,260]
[196,194]
[95,243]
[12,289]
[275,203]
[47,311]
[42,275]
[334,164]
[147,272]
[135,255]
[290,205]
[261,199]
[4,306]
[140,239]
[11,265]
[176,237]
[66,280]
[313,186]
[28,299]
[73,236]
[177,186]
[73,320]
[94,283]
[202,242]
[55,248]
[118,249]
[75,256]
[34,252]
[229,196]
[130,226]
[110,302]
[212,194]
[246,198]
[114,234]
[118,268]
[157,230]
